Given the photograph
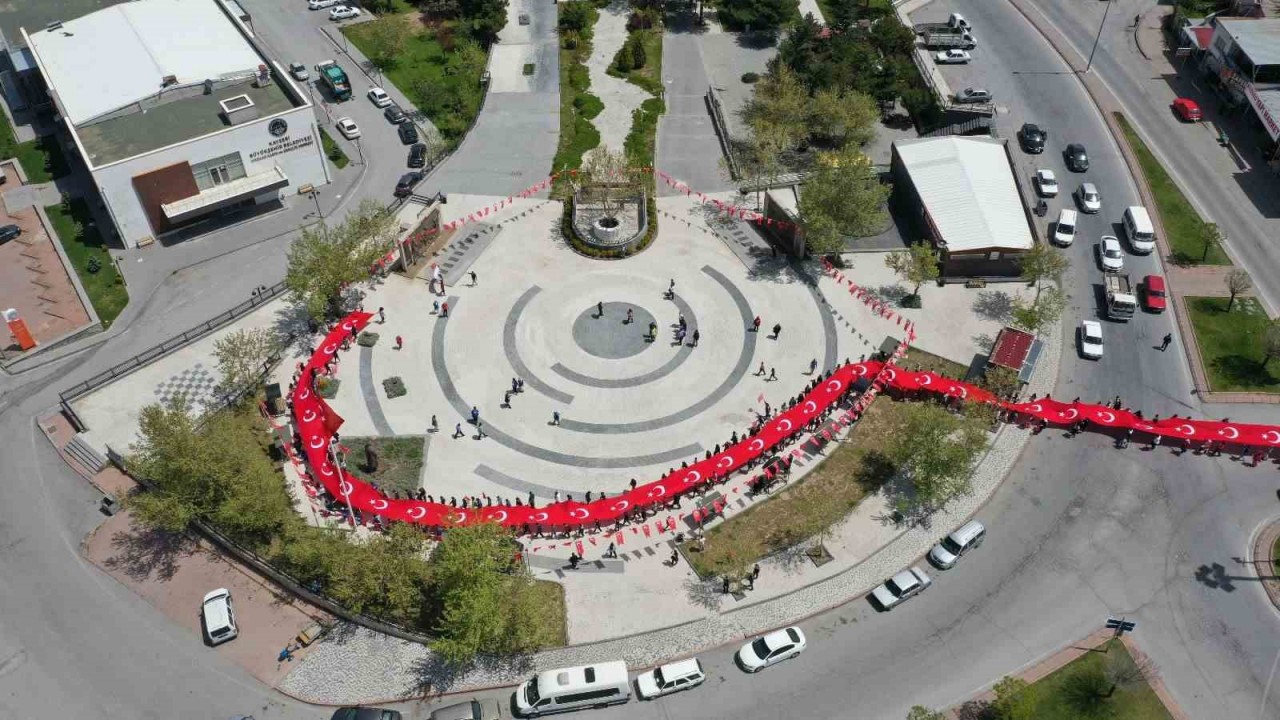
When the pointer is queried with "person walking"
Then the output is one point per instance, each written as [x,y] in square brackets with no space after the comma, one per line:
[480,433]
[773,374]
[1164,344]
[696,336]
[630,317]
[777,331]
[675,557]
[473,278]
[382,317]
[444,310]
[813,365]
[612,552]
[435,307]
[755,324]
[435,424]
[555,417]
[599,309]
[399,342]
[671,290]
[457,431]
[506,399]
[760,372]
[653,330]
[475,414]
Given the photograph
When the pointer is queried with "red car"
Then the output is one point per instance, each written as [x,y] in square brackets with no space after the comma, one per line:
[1153,293]
[1187,109]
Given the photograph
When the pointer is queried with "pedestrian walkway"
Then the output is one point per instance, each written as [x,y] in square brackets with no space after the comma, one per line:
[620,98]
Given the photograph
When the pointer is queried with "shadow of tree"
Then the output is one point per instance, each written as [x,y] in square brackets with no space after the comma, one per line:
[704,593]
[892,293]
[976,710]
[1243,371]
[143,553]
[984,341]
[994,305]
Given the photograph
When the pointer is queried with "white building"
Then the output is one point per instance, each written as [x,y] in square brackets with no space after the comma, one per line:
[177,113]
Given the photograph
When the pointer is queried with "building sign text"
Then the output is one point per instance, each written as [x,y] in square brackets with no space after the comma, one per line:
[280,147]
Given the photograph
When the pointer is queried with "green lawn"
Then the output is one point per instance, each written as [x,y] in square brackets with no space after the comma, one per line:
[643,136]
[333,151]
[41,159]
[82,242]
[1275,553]
[1054,697]
[1231,344]
[577,105]
[552,626]
[443,83]
[648,77]
[919,359]
[399,461]
[1182,225]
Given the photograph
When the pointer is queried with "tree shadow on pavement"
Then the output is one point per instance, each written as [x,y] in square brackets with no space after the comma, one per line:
[994,305]
[704,593]
[144,554]
[433,676]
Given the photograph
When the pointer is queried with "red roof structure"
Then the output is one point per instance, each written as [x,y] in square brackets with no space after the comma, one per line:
[1011,349]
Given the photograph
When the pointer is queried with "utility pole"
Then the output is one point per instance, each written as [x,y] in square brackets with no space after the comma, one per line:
[1098,36]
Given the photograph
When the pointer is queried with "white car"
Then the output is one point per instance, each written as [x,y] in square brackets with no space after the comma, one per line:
[670,678]
[952,57]
[1046,183]
[348,128]
[1091,339]
[320,4]
[901,587]
[1088,198]
[219,617]
[299,71]
[1064,231]
[342,12]
[1111,254]
[379,97]
[771,649]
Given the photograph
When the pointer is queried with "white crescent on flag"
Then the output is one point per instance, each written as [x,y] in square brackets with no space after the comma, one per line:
[724,462]
[925,380]
[834,385]
[317,442]
[1272,437]
[326,470]
[657,491]
[346,325]
[860,370]
[756,445]
[784,425]
[1186,430]
[378,504]
[500,516]
[304,393]
[417,513]
[309,415]
[345,487]
[1070,414]
[1106,417]
[1229,433]
[458,517]
[810,407]
[693,477]
[890,374]
[964,393]
[620,506]
[539,517]
[574,513]
[328,349]
[1035,407]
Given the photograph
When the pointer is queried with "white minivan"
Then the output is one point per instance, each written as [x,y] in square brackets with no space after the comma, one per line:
[965,538]
[574,688]
[1064,231]
[1139,230]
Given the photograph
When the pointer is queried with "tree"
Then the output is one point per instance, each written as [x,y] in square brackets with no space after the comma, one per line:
[1271,341]
[1013,700]
[1001,381]
[242,356]
[1128,668]
[1044,262]
[916,265]
[1087,691]
[440,8]
[1041,313]
[384,576]
[484,18]
[483,595]
[779,105]
[324,261]
[607,179]
[763,157]
[1238,281]
[638,56]
[843,117]
[576,17]
[920,712]
[1210,237]
[386,39]
[935,450]
[757,14]
[841,197]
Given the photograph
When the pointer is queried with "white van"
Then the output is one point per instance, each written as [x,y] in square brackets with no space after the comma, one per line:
[1139,230]
[573,689]
[965,538]
[1064,231]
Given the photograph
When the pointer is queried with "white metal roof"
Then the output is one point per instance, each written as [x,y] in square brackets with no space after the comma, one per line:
[119,55]
[968,189]
[1259,38]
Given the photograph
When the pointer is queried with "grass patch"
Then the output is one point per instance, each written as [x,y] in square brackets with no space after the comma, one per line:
[73,224]
[1231,344]
[649,77]
[394,386]
[438,70]
[821,498]
[577,105]
[41,159]
[1183,227]
[928,361]
[1275,552]
[643,136]
[399,461]
[333,151]
[1056,697]
[552,629]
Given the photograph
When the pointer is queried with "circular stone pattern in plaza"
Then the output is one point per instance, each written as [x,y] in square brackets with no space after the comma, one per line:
[611,336]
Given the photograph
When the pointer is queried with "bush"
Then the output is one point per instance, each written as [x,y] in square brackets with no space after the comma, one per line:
[394,387]
[367,339]
[576,17]
[328,387]
[911,301]
[638,58]
[750,78]
[622,61]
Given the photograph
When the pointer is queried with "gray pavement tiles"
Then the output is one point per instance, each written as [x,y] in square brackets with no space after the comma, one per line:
[512,350]
[369,391]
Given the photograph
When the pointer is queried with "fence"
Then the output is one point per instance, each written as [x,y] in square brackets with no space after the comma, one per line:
[722,130]
[291,584]
[152,354]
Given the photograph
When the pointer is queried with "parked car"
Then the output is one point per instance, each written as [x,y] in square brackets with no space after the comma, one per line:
[1088,199]
[365,713]
[973,95]
[670,678]
[408,133]
[9,232]
[1077,157]
[418,155]
[1111,254]
[901,587]
[299,71]
[343,12]
[394,114]
[348,128]
[1091,339]
[771,649]
[1153,296]
[470,710]
[1064,231]
[219,617]
[1046,183]
[952,57]
[320,4]
[379,97]
[952,547]
[1188,110]
[404,188]
[1032,138]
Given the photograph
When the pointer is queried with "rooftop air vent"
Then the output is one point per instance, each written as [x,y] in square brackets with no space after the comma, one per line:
[239,109]
[168,80]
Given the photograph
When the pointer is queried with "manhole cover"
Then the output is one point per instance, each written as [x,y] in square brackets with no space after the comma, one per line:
[524,19]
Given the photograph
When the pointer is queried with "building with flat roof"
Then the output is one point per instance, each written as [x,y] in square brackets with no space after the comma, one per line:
[177,113]
[963,195]
[1244,54]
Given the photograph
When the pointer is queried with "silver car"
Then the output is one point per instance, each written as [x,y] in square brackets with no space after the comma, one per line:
[901,587]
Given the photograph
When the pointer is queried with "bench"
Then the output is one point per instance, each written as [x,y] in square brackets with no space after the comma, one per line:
[975,283]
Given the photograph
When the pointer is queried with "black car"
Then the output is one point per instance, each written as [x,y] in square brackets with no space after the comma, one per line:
[9,232]
[404,188]
[1077,157]
[418,155]
[1033,138]
[394,114]
[408,133]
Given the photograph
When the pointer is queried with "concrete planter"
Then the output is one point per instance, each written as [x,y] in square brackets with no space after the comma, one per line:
[606,230]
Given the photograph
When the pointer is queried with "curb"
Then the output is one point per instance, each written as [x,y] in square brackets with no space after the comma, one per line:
[1261,560]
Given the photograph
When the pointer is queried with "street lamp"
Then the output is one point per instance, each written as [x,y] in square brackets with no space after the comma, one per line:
[1098,36]
[343,483]
[315,195]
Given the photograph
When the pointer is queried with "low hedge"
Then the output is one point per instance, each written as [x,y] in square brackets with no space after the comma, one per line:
[581,246]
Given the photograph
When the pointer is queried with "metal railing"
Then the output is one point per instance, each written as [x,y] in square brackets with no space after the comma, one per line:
[152,354]
[722,131]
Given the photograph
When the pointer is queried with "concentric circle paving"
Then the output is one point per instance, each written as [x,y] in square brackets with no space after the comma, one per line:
[609,334]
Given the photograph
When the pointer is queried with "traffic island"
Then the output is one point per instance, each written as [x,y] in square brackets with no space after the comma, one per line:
[1228,348]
